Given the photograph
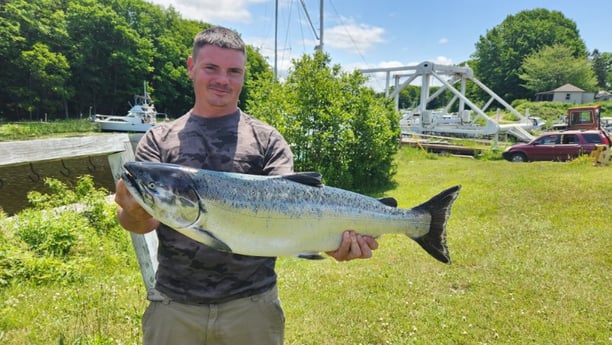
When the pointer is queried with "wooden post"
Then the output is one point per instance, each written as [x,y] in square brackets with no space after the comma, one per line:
[144,245]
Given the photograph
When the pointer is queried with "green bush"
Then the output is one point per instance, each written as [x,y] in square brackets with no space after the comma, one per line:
[60,195]
[18,264]
[54,240]
[98,211]
[334,123]
[49,233]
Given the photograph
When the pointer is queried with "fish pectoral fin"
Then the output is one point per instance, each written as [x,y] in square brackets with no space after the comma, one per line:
[212,241]
[309,178]
[311,256]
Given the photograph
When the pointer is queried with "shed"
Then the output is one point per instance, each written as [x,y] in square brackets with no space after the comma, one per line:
[567,93]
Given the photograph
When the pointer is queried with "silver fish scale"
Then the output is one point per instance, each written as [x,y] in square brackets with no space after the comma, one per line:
[265,194]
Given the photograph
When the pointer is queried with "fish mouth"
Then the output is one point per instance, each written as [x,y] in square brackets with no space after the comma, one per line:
[130,180]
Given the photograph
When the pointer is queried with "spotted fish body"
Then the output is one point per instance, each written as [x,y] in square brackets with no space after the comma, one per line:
[288,215]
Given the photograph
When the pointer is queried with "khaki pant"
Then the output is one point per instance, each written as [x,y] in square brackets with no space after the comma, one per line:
[251,320]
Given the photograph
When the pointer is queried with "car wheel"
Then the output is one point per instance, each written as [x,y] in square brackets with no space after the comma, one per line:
[518,157]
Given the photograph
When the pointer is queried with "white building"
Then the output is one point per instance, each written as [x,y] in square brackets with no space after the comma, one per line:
[567,93]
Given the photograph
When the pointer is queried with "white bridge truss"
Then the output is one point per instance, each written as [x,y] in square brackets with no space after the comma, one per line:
[470,120]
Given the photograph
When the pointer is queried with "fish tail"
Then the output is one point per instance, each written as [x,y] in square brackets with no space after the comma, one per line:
[434,242]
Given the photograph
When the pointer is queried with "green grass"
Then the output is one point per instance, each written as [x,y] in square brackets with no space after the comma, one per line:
[530,245]
[39,130]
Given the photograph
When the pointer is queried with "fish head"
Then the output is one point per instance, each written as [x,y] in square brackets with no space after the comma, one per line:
[166,191]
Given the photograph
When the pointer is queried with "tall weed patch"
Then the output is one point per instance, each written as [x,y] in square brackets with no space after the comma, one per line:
[55,239]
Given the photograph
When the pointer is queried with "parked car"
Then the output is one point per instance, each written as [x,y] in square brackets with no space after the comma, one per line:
[558,146]
[606,123]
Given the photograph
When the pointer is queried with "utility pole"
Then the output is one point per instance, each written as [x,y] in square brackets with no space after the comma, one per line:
[319,37]
[320,47]
[276,40]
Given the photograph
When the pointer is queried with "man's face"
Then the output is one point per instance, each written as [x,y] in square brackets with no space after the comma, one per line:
[218,76]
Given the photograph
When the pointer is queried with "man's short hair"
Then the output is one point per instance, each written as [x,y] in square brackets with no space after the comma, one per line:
[218,36]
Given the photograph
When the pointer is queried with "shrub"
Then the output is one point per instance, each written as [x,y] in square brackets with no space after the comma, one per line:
[59,195]
[49,233]
[54,240]
[99,212]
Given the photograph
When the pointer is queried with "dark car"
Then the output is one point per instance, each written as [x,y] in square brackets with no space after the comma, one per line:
[559,146]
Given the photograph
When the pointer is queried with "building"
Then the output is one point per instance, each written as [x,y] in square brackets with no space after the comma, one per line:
[567,93]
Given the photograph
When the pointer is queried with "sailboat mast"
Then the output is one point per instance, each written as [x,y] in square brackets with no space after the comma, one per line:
[320,47]
[276,40]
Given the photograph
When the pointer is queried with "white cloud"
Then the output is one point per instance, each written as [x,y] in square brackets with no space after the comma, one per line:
[266,49]
[443,60]
[443,41]
[351,36]
[211,10]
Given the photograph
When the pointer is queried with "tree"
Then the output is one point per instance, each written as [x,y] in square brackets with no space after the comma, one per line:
[602,66]
[334,124]
[28,28]
[111,59]
[48,76]
[172,38]
[409,97]
[256,68]
[76,56]
[554,66]
[500,53]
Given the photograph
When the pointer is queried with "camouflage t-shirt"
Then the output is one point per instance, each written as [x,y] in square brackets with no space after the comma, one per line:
[190,272]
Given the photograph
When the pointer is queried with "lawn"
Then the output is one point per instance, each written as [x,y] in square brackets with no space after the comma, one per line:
[530,245]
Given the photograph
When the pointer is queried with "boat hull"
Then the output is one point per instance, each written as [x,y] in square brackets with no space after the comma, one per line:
[110,123]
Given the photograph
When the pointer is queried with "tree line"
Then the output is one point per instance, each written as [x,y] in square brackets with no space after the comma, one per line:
[529,52]
[70,58]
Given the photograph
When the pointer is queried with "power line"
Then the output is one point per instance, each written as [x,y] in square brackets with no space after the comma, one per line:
[347,32]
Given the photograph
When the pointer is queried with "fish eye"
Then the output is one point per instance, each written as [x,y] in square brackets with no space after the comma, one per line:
[151,185]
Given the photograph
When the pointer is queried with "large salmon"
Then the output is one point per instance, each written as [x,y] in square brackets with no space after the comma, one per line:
[288,215]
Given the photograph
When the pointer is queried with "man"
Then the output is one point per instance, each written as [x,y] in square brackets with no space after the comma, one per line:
[212,297]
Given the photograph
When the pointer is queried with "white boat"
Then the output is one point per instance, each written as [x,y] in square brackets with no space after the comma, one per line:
[139,118]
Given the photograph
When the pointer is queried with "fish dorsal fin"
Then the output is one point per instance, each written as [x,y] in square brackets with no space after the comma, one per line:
[389,201]
[308,178]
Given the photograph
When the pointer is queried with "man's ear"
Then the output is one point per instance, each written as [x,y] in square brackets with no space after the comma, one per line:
[190,64]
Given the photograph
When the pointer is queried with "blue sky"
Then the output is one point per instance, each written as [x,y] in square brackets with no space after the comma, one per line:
[385,33]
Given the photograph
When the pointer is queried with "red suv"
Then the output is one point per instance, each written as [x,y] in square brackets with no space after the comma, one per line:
[559,146]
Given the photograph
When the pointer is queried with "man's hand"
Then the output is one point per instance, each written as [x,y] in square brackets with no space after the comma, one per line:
[354,246]
[130,214]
